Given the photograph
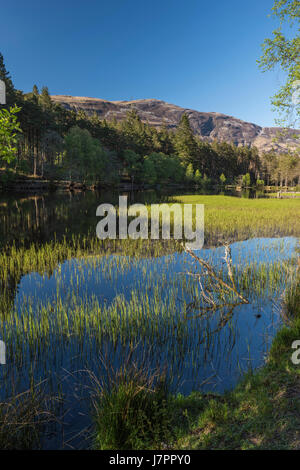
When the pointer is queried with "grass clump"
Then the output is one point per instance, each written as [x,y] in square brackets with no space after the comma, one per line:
[23,418]
[292,296]
[131,409]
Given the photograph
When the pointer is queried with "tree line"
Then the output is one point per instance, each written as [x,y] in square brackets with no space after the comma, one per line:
[58,143]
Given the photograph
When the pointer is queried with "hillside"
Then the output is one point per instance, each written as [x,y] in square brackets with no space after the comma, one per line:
[209,126]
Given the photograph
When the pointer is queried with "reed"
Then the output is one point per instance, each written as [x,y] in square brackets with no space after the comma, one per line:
[23,418]
[131,406]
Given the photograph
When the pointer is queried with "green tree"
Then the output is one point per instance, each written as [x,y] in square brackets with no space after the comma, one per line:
[9,129]
[246,180]
[260,183]
[189,173]
[222,179]
[133,164]
[206,181]
[185,143]
[51,148]
[198,177]
[35,90]
[283,50]
[84,157]
[149,174]
[269,166]
[45,99]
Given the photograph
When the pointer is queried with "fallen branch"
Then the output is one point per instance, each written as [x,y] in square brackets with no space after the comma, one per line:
[213,275]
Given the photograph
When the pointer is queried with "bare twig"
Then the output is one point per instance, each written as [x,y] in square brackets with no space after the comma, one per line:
[212,274]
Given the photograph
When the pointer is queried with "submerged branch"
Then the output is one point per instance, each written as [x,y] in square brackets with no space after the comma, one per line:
[212,274]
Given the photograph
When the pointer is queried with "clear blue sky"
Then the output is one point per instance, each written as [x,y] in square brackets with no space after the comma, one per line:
[196,54]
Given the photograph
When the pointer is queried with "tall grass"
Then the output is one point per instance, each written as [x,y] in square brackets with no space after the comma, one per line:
[149,306]
[131,407]
[262,412]
[23,418]
[292,296]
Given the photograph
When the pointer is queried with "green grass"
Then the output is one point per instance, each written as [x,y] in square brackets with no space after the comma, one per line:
[235,218]
[131,408]
[262,412]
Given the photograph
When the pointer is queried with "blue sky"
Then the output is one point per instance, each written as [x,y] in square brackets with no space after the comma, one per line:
[196,54]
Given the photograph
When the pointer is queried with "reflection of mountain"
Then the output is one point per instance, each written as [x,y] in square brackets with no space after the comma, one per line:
[210,126]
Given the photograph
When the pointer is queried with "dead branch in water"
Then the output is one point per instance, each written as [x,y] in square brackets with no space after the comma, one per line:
[219,282]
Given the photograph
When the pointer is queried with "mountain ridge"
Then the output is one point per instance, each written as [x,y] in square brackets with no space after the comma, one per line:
[207,125]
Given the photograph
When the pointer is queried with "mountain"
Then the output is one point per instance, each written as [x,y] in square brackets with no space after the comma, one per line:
[209,126]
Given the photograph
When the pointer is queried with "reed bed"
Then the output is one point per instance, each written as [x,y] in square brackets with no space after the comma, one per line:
[66,300]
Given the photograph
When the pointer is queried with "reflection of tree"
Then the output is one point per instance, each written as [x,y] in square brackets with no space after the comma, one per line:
[40,231]
[43,218]
[40,218]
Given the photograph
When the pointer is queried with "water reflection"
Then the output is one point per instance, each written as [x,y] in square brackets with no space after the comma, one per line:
[58,318]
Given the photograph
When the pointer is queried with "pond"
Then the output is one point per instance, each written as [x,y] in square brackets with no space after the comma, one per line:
[71,306]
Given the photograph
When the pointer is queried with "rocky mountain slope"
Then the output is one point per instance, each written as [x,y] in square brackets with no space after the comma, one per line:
[210,126]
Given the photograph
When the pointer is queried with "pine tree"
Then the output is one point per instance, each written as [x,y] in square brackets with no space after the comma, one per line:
[198,178]
[185,142]
[45,99]
[35,90]
[189,174]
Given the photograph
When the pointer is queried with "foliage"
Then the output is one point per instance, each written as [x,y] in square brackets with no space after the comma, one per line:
[283,50]
[185,142]
[280,169]
[130,149]
[133,164]
[9,128]
[189,174]
[222,179]
[84,156]
[259,183]
[246,180]
[198,177]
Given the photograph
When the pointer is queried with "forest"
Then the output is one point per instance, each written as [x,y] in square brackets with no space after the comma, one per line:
[49,141]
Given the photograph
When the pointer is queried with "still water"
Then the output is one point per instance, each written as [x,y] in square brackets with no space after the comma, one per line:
[83,313]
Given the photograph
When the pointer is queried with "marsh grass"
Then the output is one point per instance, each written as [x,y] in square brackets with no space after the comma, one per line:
[231,218]
[292,300]
[23,418]
[131,406]
[263,411]
[155,308]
